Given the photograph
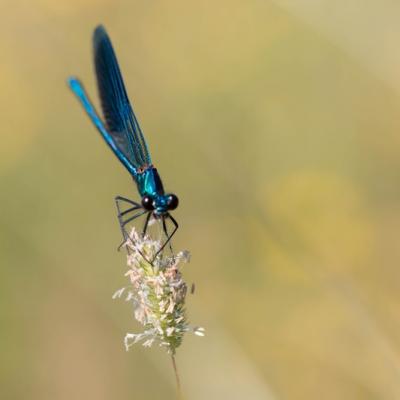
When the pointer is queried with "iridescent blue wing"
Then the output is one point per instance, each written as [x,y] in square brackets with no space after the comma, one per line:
[77,87]
[120,120]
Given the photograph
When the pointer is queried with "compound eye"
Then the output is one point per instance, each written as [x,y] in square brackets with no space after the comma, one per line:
[147,203]
[172,202]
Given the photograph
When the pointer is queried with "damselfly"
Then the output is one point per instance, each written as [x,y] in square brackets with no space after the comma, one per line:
[122,132]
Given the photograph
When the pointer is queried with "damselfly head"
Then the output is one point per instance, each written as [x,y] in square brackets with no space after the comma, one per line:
[161,204]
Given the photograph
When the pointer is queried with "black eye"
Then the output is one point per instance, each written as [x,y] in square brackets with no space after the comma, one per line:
[147,203]
[172,202]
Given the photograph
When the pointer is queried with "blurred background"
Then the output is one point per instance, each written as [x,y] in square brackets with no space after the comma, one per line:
[277,124]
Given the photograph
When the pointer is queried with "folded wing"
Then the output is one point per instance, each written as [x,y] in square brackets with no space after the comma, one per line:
[120,119]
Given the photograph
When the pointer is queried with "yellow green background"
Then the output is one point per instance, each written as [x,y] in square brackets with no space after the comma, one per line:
[278,125]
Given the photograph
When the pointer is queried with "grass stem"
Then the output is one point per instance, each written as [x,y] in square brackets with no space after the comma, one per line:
[178,381]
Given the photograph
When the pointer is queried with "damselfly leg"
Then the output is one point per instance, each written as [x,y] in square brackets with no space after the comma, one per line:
[167,235]
[124,216]
[129,210]
[146,224]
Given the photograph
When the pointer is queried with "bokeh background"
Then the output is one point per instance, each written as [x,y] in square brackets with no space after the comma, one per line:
[278,125]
